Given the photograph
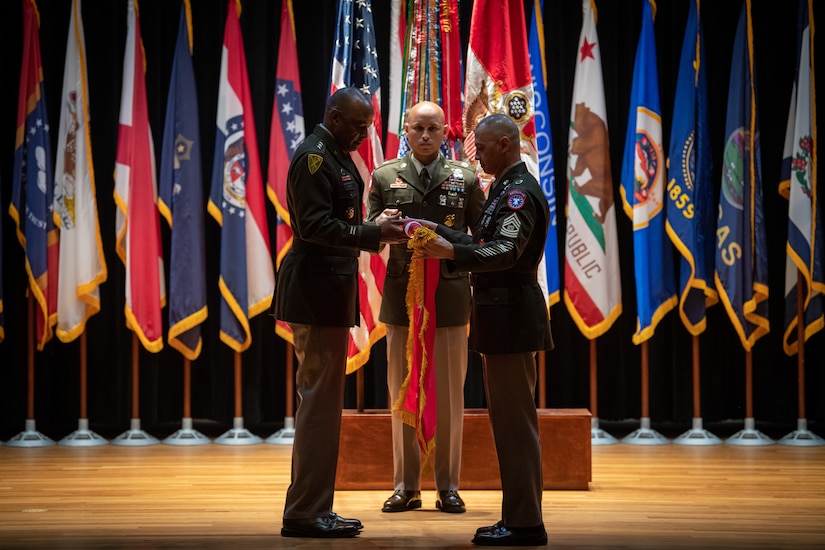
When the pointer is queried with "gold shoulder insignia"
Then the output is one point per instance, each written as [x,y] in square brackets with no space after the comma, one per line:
[314,162]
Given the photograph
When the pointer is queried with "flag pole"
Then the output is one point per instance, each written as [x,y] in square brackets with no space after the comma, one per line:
[749,435]
[83,436]
[801,437]
[645,435]
[597,435]
[30,437]
[135,436]
[187,435]
[697,435]
[238,435]
[286,435]
[542,380]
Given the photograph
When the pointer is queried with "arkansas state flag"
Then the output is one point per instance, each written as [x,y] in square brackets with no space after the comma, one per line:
[741,248]
[592,285]
[498,74]
[643,182]
[805,246]
[355,63]
[138,223]
[83,265]
[286,133]
[690,209]
[32,182]
[181,200]
[237,200]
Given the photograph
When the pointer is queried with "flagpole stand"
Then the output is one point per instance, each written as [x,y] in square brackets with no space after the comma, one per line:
[802,437]
[30,437]
[83,436]
[598,436]
[749,436]
[238,435]
[187,435]
[697,435]
[645,435]
[134,436]
[286,435]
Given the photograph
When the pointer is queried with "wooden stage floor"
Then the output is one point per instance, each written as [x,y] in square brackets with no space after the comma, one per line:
[218,496]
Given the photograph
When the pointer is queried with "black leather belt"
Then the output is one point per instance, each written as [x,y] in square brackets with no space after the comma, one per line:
[485,280]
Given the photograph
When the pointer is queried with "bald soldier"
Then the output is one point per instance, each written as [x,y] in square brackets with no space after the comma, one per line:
[424,184]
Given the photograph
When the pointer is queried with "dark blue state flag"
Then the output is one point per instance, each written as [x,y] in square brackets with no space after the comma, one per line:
[181,202]
[741,252]
[689,192]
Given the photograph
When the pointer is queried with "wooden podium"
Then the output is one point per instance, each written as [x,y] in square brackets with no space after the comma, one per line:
[365,452]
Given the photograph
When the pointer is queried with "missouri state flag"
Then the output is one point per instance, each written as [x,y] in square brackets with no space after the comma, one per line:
[689,192]
[544,151]
[741,253]
[181,199]
[642,189]
[237,200]
[33,182]
[83,264]
[286,133]
[355,63]
[137,219]
[805,247]
[498,76]
[592,284]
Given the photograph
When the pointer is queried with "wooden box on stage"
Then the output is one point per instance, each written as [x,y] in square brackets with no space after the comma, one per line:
[365,454]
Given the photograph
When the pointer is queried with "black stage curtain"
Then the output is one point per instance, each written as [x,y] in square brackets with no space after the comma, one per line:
[110,343]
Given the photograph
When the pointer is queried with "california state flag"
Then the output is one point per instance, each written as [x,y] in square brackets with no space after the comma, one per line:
[138,220]
[83,265]
[592,284]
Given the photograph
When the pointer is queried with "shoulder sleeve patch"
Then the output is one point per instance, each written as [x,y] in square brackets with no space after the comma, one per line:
[314,162]
[516,199]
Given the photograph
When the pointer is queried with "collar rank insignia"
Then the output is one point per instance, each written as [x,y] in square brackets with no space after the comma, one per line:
[314,162]
[516,199]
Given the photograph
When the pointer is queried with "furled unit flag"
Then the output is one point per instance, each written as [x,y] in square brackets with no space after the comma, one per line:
[138,223]
[398,67]
[544,149]
[355,63]
[181,199]
[237,200]
[741,252]
[592,284]
[805,246]
[498,75]
[32,182]
[432,68]
[83,264]
[642,189]
[690,223]
[286,133]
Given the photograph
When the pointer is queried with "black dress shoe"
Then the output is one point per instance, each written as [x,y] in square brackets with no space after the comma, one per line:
[324,528]
[450,502]
[499,535]
[401,501]
[346,521]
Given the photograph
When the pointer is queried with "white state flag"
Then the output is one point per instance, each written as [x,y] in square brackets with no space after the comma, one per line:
[82,264]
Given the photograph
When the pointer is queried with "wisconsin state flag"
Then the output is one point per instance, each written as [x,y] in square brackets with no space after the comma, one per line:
[592,285]
[32,182]
[741,251]
[138,223]
[181,200]
[83,265]
[643,182]
[237,200]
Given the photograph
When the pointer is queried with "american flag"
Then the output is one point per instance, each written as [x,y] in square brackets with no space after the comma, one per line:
[355,63]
